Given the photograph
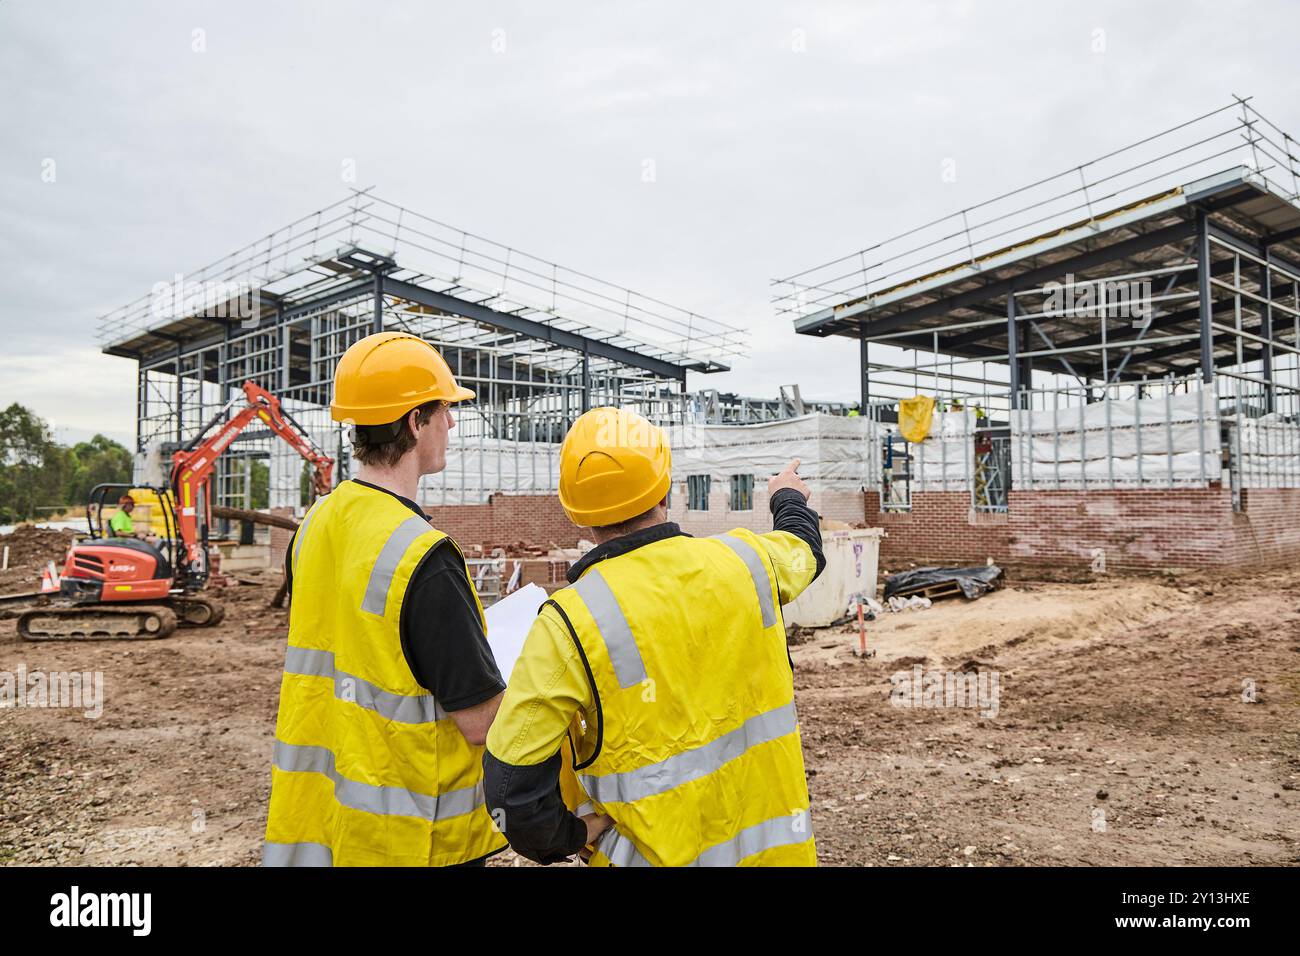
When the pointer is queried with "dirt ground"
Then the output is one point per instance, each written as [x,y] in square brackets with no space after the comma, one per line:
[1120,736]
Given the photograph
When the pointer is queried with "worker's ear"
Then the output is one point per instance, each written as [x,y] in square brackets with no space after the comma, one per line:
[413,422]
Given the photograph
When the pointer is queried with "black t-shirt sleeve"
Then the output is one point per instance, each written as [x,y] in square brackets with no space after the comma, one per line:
[790,512]
[442,634]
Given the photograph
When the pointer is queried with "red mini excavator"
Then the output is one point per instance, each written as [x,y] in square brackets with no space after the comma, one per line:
[119,587]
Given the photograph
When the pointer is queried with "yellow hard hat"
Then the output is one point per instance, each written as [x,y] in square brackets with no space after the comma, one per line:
[383,376]
[614,465]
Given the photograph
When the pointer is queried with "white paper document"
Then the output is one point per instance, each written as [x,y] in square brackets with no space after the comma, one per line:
[508,622]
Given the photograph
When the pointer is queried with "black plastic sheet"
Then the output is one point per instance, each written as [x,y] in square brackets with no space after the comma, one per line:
[972,581]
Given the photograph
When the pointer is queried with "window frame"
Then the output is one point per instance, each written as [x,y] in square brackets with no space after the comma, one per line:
[742,492]
[698,489]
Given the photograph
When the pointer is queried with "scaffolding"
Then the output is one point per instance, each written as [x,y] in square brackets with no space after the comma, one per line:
[539,343]
[711,407]
[1164,275]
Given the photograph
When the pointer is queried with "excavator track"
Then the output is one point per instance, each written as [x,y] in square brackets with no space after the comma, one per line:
[198,612]
[99,623]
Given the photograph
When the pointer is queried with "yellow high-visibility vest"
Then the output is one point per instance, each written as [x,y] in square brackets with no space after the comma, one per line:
[692,743]
[368,769]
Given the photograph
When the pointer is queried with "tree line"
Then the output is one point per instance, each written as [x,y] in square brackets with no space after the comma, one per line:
[37,474]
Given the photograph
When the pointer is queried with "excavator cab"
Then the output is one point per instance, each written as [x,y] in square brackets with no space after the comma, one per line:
[109,569]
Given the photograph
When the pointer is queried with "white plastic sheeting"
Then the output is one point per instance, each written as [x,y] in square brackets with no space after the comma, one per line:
[1155,442]
[474,472]
[1162,440]
[285,489]
[942,462]
[834,450]
[1268,449]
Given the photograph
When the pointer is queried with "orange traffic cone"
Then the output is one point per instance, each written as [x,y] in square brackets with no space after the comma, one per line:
[47,582]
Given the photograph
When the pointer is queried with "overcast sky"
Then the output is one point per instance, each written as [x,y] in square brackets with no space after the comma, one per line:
[529,123]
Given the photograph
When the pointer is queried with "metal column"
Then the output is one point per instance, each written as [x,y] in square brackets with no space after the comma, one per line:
[379,302]
[1026,364]
[586,378]
[1266,332]
[1013,351]
[285,352]
[141,404]
[1203,287]
[180,397]
[865,366]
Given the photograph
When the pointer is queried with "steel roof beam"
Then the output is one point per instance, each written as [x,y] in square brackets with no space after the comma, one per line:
[535,330]
[1031,277]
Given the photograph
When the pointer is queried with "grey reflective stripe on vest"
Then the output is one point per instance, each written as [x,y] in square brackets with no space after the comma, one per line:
[619,850]
[402,708]
[302,533]
[614,629]
[381,575]
[757,571]
[785,830]
[297,854]
[372,798]
[691,764]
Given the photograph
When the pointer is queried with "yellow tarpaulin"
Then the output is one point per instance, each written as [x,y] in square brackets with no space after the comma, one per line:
[914,417]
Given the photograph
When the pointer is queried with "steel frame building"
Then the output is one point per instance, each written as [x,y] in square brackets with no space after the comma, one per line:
[539,343]
[1198,226]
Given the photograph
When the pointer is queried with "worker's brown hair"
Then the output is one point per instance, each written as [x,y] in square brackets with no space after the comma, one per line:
[384,445]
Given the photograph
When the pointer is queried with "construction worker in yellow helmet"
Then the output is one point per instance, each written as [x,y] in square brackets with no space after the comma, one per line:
[389,685]
[660,675]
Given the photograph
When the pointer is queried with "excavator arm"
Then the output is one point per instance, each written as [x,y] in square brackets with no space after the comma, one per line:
[192,466]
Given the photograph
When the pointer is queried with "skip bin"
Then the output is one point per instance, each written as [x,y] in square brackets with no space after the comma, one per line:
[851,563]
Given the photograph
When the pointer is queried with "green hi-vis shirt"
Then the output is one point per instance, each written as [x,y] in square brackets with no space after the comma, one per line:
[122,524]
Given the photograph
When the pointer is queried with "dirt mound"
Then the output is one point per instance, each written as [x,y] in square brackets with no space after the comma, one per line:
[955,629]
[30,548]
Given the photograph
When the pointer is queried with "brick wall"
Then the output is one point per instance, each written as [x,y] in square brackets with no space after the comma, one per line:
[1137,529]
[1268,527]
[939,529]
[506,520]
